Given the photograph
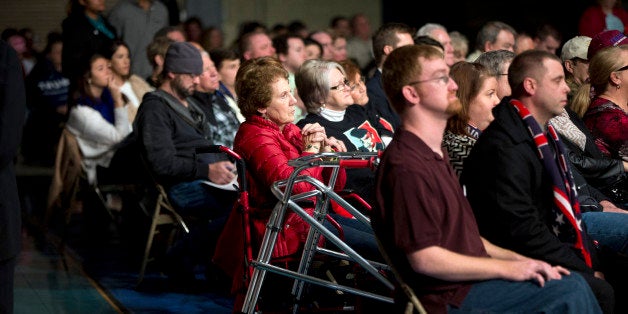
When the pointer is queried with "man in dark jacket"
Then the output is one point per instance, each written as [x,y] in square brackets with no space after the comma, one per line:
[169,126]
[12,109]
[222,120]
[519,183]
[388,37]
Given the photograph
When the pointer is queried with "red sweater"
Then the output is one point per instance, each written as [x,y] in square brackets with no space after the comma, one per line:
[609,125]
[593,20]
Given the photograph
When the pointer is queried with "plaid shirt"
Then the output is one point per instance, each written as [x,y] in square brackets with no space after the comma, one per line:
[226,123]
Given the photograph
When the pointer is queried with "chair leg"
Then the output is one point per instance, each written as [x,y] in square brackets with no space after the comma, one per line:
[164,215]
[103,201]
[149,240]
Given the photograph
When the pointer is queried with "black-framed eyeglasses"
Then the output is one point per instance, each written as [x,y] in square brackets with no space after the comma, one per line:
[443,79]
[342,86]
[622,69]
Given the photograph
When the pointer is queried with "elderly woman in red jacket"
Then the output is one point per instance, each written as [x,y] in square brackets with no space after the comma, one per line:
[267,140]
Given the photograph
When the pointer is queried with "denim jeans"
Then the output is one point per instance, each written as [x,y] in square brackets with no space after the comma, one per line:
[571,294]
[358,236]
[201,201]
[609,229]
[209,207]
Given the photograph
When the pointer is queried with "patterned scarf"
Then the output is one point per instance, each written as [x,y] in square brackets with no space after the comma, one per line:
[473,131]
[566,204]
[563,124]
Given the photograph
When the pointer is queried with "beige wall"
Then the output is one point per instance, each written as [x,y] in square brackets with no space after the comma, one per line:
[44,16]
[314,13]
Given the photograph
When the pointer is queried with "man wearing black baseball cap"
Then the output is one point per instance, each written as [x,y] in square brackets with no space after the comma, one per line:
[169,126]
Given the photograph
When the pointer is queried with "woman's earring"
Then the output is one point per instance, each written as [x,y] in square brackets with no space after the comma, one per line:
[89,81]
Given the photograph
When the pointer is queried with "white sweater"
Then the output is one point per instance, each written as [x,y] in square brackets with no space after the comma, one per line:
[96,136]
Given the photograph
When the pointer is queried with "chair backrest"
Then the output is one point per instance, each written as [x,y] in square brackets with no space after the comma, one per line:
[66,176]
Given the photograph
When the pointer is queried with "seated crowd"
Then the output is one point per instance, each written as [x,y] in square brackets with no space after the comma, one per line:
[502,182]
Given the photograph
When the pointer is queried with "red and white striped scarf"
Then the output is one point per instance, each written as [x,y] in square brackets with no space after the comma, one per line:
[567,225]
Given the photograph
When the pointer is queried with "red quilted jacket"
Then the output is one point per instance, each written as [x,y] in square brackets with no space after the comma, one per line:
[266,151]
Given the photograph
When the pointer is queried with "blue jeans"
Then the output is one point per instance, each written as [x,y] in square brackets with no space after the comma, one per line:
[358,236]
[209,207]
[571,294]
[201,201]
[609,229]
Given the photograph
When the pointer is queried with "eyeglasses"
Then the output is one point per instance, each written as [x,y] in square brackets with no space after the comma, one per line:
[342,86]
[355,85]
[622,69]
[443,79]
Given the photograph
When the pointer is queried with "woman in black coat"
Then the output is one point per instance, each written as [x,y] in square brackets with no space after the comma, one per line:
[85,32]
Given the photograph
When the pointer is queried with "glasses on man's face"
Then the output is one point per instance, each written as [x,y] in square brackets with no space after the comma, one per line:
[441,79]
[622,69]
[342,86]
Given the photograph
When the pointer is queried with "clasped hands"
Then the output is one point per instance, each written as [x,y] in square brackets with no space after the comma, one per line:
[315,140]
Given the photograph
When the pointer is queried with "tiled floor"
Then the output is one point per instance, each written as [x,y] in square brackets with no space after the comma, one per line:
[96,272]
[47,281]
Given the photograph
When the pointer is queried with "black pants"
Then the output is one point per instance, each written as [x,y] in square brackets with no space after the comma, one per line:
[7,274]
[603,292]
[615,268]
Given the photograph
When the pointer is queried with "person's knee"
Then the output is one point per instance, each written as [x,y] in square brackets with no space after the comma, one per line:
[576,286]
[603,291]
[572,294]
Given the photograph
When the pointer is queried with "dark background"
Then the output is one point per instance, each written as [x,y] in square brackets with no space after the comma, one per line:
[468,16]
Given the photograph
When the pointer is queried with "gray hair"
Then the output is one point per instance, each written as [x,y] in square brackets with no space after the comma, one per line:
[313,84]
[428,28]
[495,60]
[489,33]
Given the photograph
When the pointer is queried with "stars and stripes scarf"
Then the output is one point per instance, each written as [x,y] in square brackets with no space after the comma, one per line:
[567,225]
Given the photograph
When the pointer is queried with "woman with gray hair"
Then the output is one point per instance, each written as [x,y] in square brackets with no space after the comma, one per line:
[326,94]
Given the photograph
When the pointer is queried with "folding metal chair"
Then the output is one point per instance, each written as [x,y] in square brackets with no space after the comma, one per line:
[70,187]
[323,193]
[164,215]
[413,304]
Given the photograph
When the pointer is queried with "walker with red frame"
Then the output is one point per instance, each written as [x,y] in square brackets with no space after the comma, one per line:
[324,193]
